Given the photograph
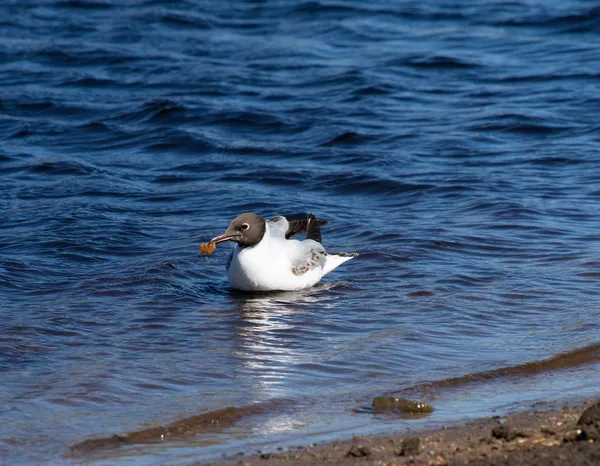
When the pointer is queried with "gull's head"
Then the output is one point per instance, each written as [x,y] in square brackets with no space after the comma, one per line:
[247,230]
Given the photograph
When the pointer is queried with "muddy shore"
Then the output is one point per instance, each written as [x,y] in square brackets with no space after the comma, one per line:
[566,436]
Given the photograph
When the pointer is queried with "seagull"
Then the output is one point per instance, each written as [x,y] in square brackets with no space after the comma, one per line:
[265,258]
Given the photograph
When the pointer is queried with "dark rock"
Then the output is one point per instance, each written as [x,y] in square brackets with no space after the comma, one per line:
[409,406]
[506,433]
[410,447]
[502,432]
[266,456]
[590,415]
[590,424]
[359,451]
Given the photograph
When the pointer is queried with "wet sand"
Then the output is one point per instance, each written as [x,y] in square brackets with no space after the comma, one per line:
[566,436]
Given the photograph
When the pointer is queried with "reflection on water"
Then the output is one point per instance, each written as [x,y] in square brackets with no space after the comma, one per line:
[260,340]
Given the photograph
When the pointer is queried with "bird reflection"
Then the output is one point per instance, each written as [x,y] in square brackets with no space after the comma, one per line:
[273,338]
[276,300]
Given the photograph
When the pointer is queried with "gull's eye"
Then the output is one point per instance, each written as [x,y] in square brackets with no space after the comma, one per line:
[245,226]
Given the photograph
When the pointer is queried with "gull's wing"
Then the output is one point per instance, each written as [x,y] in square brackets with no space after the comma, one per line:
[306,255]
[286,226]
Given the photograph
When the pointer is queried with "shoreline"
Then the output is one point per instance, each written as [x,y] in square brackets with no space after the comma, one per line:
[534,435]
[538,427]
[462,412]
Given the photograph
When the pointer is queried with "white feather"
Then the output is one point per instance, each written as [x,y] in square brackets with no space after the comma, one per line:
[276,263]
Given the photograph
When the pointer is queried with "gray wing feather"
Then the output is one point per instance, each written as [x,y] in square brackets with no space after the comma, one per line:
[278,226]
[311,259]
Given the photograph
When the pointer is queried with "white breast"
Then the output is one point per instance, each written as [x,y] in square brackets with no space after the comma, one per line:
[268,266]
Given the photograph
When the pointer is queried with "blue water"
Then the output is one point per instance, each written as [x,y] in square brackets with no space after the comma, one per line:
[453,144]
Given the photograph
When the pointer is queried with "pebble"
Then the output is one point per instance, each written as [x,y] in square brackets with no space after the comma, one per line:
[358,451]
[410,447]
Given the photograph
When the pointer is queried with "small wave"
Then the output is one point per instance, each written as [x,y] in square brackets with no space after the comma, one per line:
[63,167]
[546,77]
[522,128]
[212,421]
[312,7]
[178,140]
[154,111]
[185,20]
[21,133]
[373,90]
[163,110]
[90,81]
[83,4]
[248,119]
[73,55]
[583,21]
[267,177]
[404,11]
[363,183]
[565,361]
[173,179]
[95,127]
[345,138]
[518,123]
[439,62]
[37,106]
[557,160]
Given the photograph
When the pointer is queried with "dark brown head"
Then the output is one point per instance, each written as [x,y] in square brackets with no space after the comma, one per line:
[246,230]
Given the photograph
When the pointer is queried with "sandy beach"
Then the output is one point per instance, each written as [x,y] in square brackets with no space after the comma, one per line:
[569,435]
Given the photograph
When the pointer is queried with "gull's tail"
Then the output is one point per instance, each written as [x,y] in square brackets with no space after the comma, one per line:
[334,260]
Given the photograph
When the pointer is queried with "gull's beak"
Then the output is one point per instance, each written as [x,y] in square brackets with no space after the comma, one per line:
[224,237]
